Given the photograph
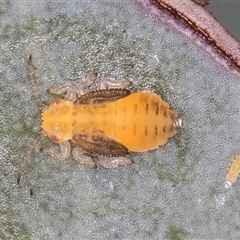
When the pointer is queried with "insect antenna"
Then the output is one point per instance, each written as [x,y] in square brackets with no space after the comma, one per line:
[27,156]
[31,78]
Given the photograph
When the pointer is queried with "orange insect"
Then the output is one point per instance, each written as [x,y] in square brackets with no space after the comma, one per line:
[233,172]
[109,122]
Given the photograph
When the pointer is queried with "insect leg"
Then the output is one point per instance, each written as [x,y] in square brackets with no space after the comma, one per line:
[78,154]
[73,91]
[106,83]
[82,85]
[113,162]
[69,89]
[63,154]
[87,81]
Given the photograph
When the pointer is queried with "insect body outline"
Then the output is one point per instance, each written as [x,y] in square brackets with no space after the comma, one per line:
[233,171]
[109,122]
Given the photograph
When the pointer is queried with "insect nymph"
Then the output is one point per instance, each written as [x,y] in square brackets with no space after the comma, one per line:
[234,171]
[109,122]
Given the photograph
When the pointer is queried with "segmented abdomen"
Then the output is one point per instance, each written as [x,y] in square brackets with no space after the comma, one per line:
[140,121]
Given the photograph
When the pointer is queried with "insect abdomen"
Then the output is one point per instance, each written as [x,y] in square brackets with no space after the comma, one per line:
[140,121]
[144,122]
